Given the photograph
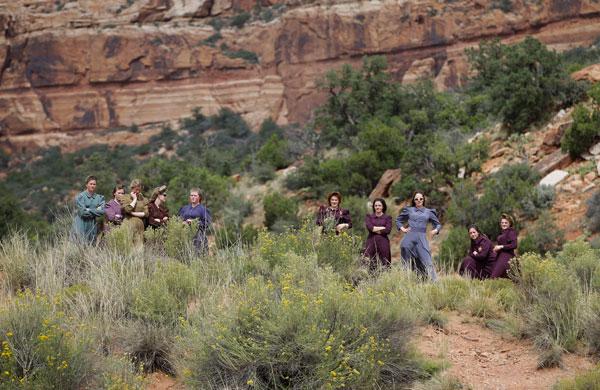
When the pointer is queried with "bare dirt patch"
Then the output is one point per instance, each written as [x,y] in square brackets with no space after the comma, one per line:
[483,359]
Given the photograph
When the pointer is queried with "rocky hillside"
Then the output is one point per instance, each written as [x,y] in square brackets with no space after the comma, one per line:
[69,66]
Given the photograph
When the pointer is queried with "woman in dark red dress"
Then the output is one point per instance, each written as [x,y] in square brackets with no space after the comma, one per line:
[481,258]
[158,213]
[377,246]
[334,218]
[505,250]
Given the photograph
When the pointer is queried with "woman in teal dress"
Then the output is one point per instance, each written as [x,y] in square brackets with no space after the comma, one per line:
[89,206]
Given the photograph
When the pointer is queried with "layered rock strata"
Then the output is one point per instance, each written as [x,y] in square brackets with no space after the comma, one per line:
[86,65]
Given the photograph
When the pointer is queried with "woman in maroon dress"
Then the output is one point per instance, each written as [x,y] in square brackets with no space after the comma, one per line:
[505,250]
[481,258]
[334,218]
[158,213]
[379,225]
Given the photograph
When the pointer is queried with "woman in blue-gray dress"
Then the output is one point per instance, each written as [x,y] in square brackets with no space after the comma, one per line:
[414,248]
[89,205]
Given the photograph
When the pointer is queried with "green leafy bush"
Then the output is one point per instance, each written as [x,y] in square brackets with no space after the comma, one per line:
[583,132]
[16,255]
[585,381]
[453,249]
[280,211]
[543,237]
[523,82]
[38,350]
[552,305]
[239,20]
[306,332]
[274,152]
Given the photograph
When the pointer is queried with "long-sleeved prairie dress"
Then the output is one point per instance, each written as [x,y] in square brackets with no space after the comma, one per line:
[202,214]
[414,247]
[89,207]
[136,224]
[113,213]
[377,246]
[157,213]
[480,264]
[328,218]
[508,239]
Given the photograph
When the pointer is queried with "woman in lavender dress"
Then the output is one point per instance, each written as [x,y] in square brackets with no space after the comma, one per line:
[377,246]
[505,250]
[414,248]
[333,218]
[113,211]
[481,258]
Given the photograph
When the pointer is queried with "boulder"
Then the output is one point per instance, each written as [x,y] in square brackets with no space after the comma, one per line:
[382,189]
[554,177]
[595,150]
[590,73]
[556,160]
[555,133]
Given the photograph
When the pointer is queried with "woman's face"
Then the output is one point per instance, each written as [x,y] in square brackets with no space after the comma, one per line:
[136,189]
[119,192]
[334,201]
[162,197]
[473,234]
[378,206]
[419,199]
[504,224]
[91,186]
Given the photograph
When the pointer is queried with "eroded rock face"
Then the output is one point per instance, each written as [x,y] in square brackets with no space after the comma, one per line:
[91,65]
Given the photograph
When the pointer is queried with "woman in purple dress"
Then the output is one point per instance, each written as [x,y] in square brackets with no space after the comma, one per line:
[113,210]
[379,225]
[505,250]
[481,258]
[334,218]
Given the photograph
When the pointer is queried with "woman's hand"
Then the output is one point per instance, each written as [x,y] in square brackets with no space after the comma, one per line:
[378,229]
[341,226]
[474,253]
[405,229]
[498,248]
[134,196]
[434,233]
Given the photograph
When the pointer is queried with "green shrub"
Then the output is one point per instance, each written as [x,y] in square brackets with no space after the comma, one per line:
[587,381]
[149,346]
[274,152]
[453,249]
[163,297]
[523,82]
[303,330]
[592,213]
[280,209]
[120,240]
[551,302]
[38,350]
[179,239]
[246,55]
[582,134]
[16,254]
[240,19]
[341,252]
[543,237]
[579,257]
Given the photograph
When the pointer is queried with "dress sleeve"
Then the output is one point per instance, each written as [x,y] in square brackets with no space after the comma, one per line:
[98,211]
[145,210]
[483,254]
[126,204]
[110,212]
[369,223]
[82,211]
[153,213]
[511,241]
[402,218]
[388,225]
[205,220]
[320,216]
[433,218]
[347,218]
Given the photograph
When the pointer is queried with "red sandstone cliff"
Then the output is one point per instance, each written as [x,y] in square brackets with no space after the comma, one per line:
[73,66]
